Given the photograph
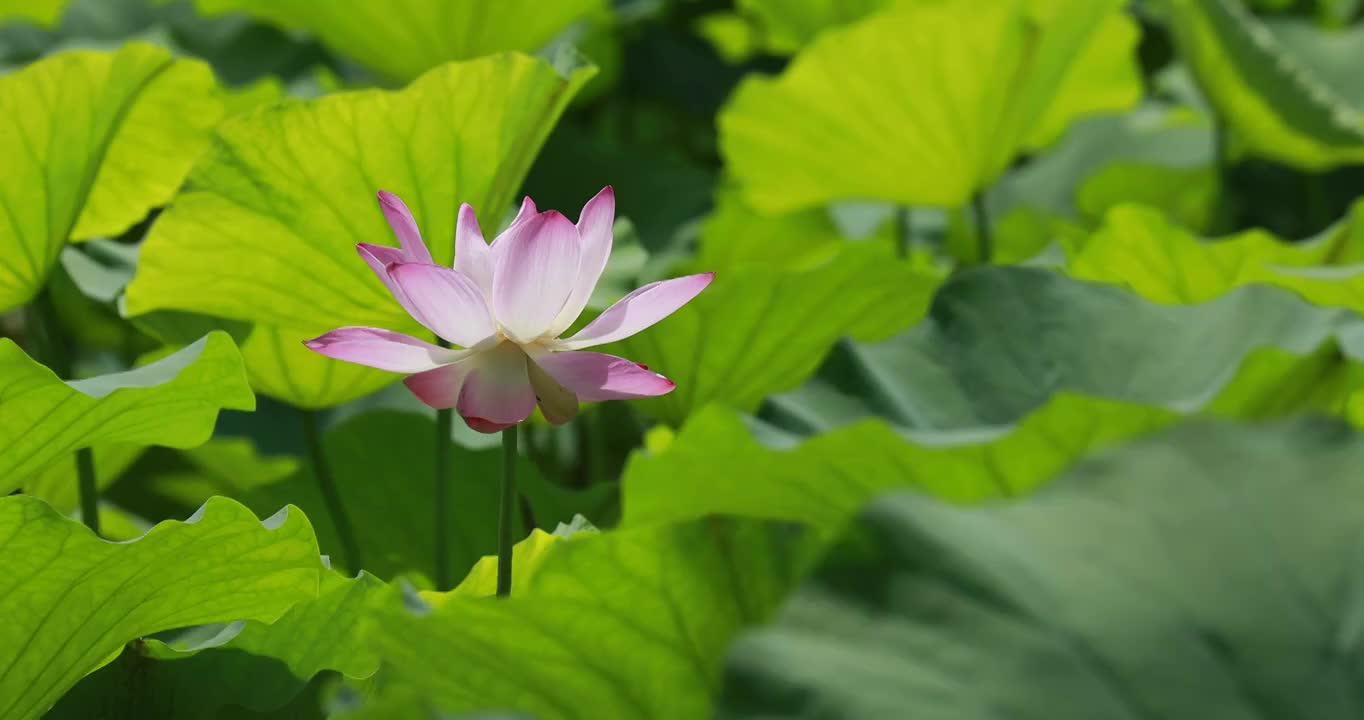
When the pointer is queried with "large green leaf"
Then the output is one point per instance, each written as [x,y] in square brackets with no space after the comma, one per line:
[1000,341]
[251,665]
[717,465]
[92,141]
[172,402]
[402,39]
[1272,103]
[285,193]
[926,102]
[755,331]
[1208,572]
[70,600]
[42,12]
[629,624]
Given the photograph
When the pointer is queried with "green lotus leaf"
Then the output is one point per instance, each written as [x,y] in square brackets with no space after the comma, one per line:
[284,193]
[911,104]
[252,665]
[71,600]
[754,332]
[42,12]
[632,624]
[1274,105]
[172,402]
[405,38]
[92,141]
[1126,588]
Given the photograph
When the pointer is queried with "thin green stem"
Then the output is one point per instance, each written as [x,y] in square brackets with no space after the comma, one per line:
[903,231]
[985,244]
[350,549]
[444,422]
[507,513]
[51,348]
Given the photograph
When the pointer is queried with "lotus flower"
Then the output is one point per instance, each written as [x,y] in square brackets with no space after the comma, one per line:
[505,305]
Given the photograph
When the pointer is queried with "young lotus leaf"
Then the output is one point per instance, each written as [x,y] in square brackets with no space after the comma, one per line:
[285,193]
[70,600]
[630,624]
[1000,341]
[926,102]
[754,332]
[42,12]
[1273,104]
[172,402]
[1125,589]
[75,129]
[245,664]
[402,39]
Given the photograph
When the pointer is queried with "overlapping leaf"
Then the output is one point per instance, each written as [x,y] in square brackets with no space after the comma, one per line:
[250,664]
[1273,104]
[623,624]
[755,332]
[71,600]
[925,103]
[1205,572]
[285,193]
[405,38]
[172,402]
[92,141]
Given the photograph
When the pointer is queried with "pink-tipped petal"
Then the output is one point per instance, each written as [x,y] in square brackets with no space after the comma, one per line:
[639,310]
[439,388]
[447,302]
[594,237]
[379,257]
[524,213]
[383,349]
[537,264]
[497,389]
[594,376]
[404,227]
[473,257]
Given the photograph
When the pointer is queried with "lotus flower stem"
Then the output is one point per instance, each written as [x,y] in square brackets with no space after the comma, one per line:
[441,498]
[350,549]
[985,245]
[51,349]
[507,513]
[903,231]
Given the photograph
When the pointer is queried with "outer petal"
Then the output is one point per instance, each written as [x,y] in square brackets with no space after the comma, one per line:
[379,257]
[639,310]
[383,349]
[594,236]
[497,390]
[524,213]
[558,403]
[594,376]
[404,227]
[537,264]
[439,388]
[446,302]
[473,257]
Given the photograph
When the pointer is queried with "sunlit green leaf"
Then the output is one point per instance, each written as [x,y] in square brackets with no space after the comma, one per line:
[1275,107]
[402,39]
[630,624]
[249,664]
[284,194]
[1202,573]
[172,402]
[92,141]
[756,332]
[71,600]
[42,12]
[925,103]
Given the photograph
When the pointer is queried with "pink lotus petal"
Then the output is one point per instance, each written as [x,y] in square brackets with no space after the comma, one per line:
[558,403]
[383,349]
[594,376]
[404,227]
[537,264]
[638,310]
[379,257]
[446,301]
[594,235]
[497,389]
[439,388]
[473,257]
